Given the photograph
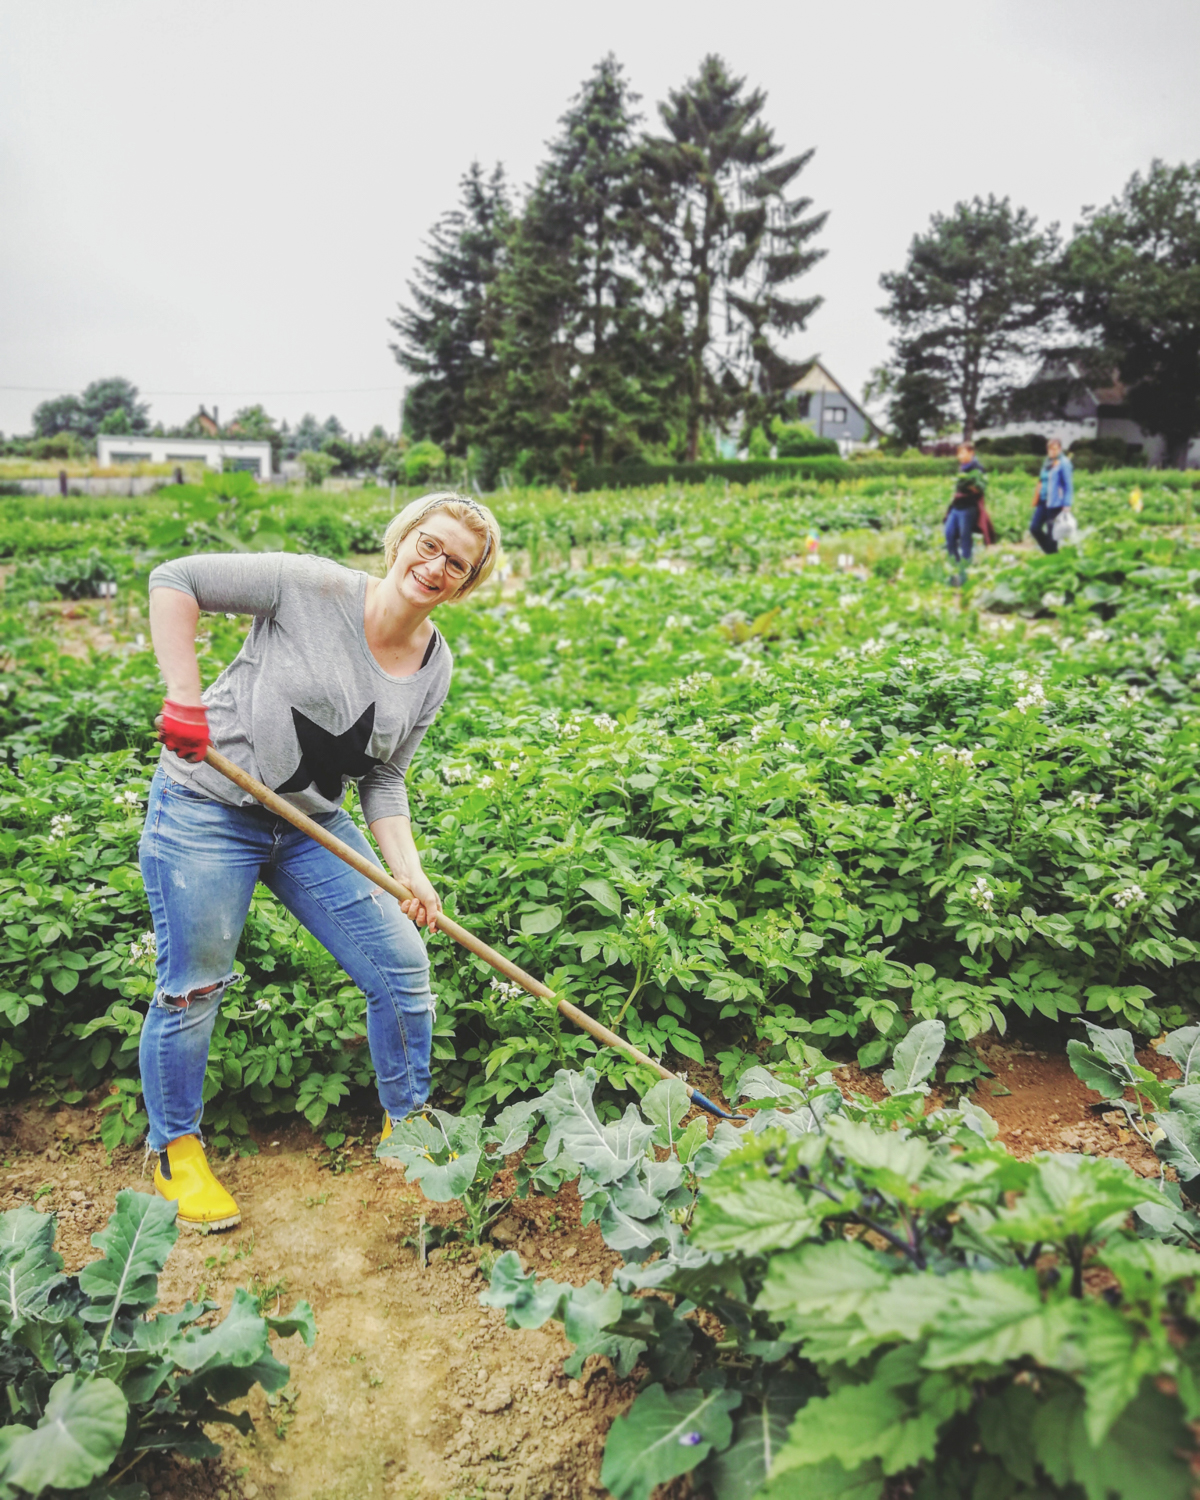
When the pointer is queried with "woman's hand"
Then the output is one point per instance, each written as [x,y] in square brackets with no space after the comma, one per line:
[425,908]
[183,729]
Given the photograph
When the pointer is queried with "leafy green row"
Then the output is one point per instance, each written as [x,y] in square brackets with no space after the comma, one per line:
[901,1300]
[92,1380]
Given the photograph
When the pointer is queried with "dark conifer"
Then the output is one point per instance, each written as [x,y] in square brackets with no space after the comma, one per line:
[583,366]
[443,333]
[727,241]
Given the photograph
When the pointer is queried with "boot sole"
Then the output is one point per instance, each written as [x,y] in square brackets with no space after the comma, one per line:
[209,1224]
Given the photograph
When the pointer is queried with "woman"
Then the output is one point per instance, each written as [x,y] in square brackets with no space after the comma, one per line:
[337,681]
[1055,490]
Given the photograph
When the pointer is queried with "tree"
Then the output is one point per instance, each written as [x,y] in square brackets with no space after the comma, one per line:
[974,300]
[253,424]
[86,415]
[583,372]
[59,414]
[103,397]
[1132,278]
[727,241]
[309,435]
[443,339]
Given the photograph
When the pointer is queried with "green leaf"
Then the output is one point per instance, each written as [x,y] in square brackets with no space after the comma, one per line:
[826,1481]
[1096,1070]
[663,1436]
[916,1057]
[1137,1461]
[834,1279]
[666,1104]
[1071,1198]
[742,1470]
[136,1242]
[300,1320]
[895,1418]
[541,920]
[603,894]
[994,1316]
[607,1152]
[29,1263]
[1180,1143]
[76,1440]
[1183,1048]
[756,1216]
[239,1340]
[695,1136]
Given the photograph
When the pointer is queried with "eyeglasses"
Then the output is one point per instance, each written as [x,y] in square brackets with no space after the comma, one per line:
[429,548]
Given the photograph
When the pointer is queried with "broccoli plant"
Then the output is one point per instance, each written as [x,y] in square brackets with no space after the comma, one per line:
[907,1310]
[93,1380]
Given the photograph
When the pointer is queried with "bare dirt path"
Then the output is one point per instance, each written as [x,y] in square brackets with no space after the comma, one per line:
[413,1390]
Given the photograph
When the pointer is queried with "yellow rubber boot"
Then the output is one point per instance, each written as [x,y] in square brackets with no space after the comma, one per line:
[188,1182]
[389,1161]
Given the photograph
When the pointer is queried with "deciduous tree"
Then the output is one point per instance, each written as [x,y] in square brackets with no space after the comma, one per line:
[1132,277]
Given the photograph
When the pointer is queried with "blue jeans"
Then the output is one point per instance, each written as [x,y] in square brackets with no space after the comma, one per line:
[1043,519]
[959,526]
[200,860]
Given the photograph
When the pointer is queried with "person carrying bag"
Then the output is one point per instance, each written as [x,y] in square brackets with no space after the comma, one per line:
[1052,500]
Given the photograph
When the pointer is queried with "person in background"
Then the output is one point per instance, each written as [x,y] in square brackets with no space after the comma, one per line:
[962,515]
[1055,490]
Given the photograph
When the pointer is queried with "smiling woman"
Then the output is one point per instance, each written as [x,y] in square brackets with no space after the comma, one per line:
[338,681]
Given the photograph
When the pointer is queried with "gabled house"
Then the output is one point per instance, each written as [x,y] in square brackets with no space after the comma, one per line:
[829,408]
[1060,401]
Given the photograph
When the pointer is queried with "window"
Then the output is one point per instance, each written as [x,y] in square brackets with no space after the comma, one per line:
[835,415]
[127,458]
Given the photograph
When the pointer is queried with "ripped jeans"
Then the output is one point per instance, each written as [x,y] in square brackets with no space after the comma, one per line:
[200,860]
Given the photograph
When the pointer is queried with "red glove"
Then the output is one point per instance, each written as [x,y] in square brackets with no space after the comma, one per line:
[184,729]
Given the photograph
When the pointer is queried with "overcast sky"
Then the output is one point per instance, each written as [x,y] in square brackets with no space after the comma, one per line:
[224,202]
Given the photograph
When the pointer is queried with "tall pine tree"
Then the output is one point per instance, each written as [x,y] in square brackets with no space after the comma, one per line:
[728,241]
[584,373]
[444,337]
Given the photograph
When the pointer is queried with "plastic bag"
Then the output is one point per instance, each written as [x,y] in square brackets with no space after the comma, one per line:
[1065,529]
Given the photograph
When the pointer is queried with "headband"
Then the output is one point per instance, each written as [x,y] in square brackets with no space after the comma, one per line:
[442,501]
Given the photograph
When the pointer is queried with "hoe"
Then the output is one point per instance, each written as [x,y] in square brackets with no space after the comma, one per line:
[381,878]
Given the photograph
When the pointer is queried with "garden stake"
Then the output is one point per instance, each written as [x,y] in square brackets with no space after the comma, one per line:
[381,878]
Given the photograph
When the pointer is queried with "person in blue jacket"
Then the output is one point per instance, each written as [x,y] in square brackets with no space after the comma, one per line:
[1055,490]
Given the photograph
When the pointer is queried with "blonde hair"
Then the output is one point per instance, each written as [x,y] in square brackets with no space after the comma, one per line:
[469,513]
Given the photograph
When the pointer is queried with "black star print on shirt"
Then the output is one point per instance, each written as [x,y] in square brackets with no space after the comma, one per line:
[326,758]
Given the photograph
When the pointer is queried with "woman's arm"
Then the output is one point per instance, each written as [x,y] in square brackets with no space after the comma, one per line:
[173,620]
[395,839]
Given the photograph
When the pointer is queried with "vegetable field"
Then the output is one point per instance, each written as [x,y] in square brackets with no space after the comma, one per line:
[736,771]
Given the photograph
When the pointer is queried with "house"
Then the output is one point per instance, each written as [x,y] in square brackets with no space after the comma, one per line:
[221,454]
[1061,402]
[830,410]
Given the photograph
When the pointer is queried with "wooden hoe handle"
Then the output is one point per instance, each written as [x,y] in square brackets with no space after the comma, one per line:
[473,944]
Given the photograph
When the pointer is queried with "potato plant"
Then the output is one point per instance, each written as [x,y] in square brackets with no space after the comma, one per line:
[734,808]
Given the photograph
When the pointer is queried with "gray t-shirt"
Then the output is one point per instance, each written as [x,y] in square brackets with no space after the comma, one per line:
[304,706]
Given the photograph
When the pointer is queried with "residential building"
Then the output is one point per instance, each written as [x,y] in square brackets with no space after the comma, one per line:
[221,454]
[1089,411]
[830,410]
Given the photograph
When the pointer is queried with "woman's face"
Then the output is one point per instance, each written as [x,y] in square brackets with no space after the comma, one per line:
[426,582]
[1053,450]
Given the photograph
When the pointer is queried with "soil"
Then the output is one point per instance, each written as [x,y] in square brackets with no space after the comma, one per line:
[412,1389]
